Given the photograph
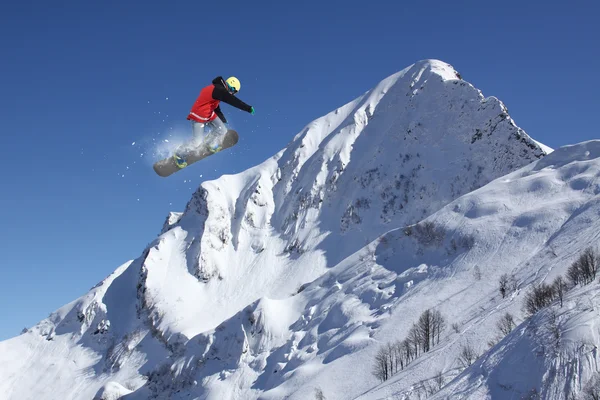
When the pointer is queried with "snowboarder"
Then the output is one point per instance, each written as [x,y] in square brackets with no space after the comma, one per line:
[208,121]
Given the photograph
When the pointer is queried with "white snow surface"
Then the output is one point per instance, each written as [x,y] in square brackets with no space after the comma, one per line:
[288,277]
[532,223]
[112,391]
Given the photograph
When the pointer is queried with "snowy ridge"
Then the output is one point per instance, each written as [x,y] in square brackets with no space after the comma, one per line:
[553,355]
[288,276]
[532,223]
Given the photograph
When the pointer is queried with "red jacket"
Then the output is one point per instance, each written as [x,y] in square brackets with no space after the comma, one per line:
[206,108]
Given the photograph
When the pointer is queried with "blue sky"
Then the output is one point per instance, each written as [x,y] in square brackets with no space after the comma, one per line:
[81,81]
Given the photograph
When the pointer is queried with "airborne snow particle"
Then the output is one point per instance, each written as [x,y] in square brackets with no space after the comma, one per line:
[133,144]
[166,140]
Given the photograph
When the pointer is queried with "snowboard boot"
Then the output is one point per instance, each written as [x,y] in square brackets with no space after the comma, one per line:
[181,163]
[213,143]
[215,148]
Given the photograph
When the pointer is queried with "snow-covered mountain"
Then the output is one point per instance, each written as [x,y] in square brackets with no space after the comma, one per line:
[284,281]
[532,224]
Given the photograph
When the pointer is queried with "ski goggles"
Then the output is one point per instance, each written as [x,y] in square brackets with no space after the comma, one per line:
[231,89]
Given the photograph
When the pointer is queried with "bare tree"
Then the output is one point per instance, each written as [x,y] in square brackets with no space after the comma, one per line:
[401,359]
[429,234]
[425,329]
[574,274]
[391,358]
[467,355]
[429,327]
[506,324]
[439,324]
[584,269]
[319,394]
[415,339]
[503,282]
[590,260]
[540,296]
[456,327]
[407,350]
[381,369]
[560,288]
[438,380]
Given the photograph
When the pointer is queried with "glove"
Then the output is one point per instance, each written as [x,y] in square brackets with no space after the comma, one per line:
[252,110]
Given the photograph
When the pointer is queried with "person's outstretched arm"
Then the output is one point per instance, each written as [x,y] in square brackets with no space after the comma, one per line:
[221,94]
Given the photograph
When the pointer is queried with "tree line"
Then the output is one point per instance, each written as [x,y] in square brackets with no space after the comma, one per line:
[422,337]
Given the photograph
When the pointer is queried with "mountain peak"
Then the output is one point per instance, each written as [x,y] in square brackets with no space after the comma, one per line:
[444,70]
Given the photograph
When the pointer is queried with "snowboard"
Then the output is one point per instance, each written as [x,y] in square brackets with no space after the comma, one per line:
[168,166]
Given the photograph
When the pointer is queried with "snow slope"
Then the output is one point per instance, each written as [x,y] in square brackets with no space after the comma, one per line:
[553,355]
[532,223]
[273,281]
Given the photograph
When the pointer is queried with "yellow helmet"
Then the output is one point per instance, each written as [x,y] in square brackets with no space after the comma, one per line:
[233,83]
